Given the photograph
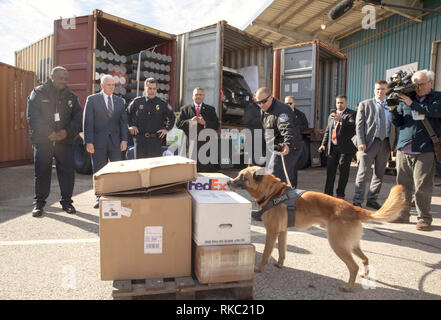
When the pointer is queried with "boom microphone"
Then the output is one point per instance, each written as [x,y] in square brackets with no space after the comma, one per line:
[340,9]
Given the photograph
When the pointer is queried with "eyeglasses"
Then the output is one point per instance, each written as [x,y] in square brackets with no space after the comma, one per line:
[420,84]
[262,101]
[290,103]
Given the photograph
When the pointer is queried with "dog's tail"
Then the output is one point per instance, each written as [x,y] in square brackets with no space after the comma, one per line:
[390,210]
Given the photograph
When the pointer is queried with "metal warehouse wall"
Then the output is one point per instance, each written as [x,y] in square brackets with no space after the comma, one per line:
[369,60]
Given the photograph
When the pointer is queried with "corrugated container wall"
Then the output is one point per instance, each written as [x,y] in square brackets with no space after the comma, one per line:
[37,57]
[15,87]
[368,60]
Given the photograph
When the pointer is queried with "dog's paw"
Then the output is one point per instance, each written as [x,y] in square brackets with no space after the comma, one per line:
[365,272]
[345,289]
[278,265]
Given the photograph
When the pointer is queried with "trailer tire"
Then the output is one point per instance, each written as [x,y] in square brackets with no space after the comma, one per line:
[82,159]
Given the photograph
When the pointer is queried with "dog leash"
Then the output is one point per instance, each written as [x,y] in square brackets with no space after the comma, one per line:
[279,149]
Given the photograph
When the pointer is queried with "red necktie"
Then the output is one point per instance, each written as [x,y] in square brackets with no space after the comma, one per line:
[334,133]
[198,110]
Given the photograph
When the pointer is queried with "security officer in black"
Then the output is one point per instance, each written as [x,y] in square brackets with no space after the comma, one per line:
[147,117]
[54,116]
[280,130]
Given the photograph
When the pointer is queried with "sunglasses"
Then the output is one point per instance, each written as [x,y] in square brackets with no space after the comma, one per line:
[289,103]
[262,101]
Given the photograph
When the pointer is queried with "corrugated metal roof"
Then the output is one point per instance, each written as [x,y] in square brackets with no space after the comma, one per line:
[286,22]
[396,42]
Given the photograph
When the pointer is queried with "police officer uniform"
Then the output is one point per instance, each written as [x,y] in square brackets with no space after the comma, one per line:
[48,111]
[279,118]
[149,116]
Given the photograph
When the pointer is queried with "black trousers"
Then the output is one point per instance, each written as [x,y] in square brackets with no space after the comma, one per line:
[147,147]
[103,155]
[342,161]
[64,162]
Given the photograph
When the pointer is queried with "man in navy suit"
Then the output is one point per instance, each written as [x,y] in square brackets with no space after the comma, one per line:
[105,126]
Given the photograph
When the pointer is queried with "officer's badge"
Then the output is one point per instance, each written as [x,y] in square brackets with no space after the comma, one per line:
[284,117]
[157,107]
[69,103]
[141,107]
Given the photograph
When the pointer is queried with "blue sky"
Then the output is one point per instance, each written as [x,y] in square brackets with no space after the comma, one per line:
[23,22]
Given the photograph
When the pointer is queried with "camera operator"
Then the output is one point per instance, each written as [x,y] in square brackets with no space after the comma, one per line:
[415,152]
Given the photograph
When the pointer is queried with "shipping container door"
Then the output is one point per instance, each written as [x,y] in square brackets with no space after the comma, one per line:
[73,43]
[201,61]
[298,78]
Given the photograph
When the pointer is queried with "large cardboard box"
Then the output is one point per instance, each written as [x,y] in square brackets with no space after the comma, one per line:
[143,174]
[215,264]
[145,236]
[222,217]
[212,181]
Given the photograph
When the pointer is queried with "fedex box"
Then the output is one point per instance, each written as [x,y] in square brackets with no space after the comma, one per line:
[219,218]
[138,174]
[145,236]
[209,182]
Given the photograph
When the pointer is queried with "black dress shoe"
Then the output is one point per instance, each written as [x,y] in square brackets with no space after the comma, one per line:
[373,204]
[357,204]
[69,209]
[37,212]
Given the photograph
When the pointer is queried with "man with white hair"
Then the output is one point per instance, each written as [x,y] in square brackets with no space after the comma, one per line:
[415,155]
[105,126]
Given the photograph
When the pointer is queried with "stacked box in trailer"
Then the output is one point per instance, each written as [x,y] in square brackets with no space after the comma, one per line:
[100,44]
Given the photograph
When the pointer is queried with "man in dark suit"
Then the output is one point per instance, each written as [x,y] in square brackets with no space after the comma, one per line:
[105,126]
[338,145]
[198,116]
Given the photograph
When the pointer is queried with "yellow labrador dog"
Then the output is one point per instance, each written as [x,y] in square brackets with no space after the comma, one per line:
[341,219]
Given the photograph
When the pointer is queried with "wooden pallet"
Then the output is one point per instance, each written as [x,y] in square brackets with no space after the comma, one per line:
[185,288]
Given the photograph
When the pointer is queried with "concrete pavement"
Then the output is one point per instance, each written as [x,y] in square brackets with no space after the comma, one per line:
[57,256]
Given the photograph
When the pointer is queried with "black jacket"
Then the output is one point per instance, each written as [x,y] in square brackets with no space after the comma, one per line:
[345,132]
[188,112]
[414,130]
[279,118]
[300,120]
[42,105]
[150,115]
[252,116]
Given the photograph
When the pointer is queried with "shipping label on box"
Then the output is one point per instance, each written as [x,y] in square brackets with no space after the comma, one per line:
[210,182]
[220,218]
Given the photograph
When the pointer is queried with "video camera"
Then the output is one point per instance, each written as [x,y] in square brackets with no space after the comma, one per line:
[400,82]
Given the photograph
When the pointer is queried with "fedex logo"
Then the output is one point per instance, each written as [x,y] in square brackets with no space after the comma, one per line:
[212,184]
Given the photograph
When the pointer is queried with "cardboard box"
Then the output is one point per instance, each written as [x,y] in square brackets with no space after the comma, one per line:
[215,264]
[210,181]
[222,217]
[143,174]
[145,236]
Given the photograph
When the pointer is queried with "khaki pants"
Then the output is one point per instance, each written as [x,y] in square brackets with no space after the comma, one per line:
[417,172]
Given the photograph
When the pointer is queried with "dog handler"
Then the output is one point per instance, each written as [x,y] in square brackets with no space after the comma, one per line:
[279,130]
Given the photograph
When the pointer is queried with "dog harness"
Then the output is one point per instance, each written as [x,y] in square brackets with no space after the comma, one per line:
[289,197]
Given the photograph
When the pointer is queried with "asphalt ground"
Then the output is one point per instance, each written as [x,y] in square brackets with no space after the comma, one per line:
[57,256]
